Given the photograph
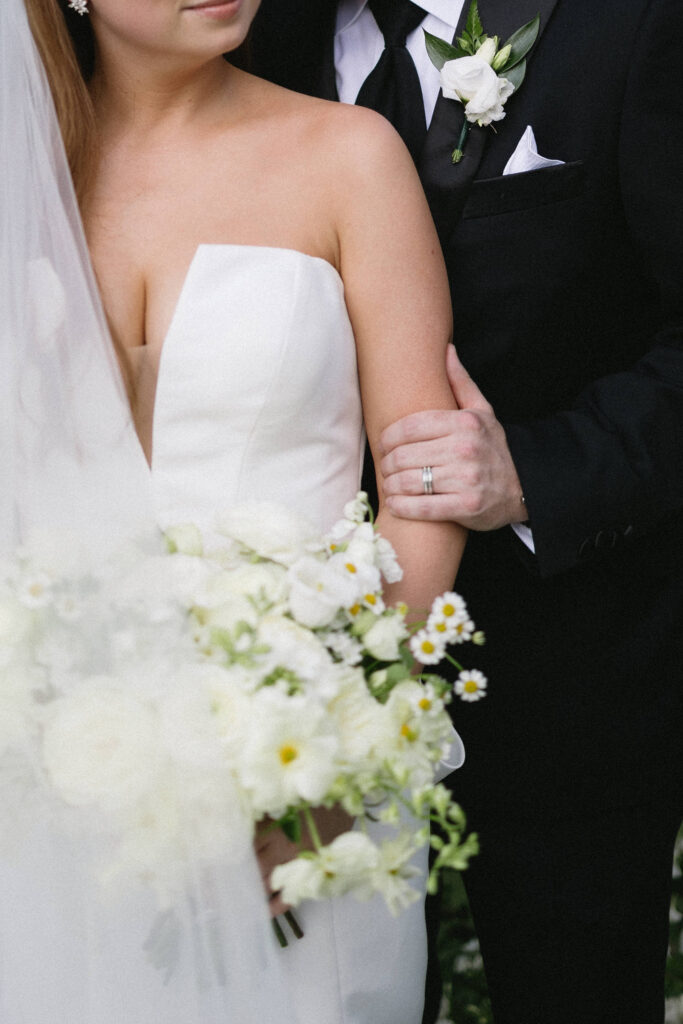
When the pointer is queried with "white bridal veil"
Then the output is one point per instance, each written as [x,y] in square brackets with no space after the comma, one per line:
[69,461]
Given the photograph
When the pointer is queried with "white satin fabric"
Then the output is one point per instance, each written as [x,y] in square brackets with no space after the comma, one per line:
[258,398]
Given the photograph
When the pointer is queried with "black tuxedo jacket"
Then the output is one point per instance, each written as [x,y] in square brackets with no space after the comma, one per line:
[567,288]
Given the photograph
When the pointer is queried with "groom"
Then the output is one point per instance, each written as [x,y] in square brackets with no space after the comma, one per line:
[567,287]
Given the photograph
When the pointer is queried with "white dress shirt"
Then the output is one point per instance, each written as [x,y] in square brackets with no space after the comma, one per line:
[358,44]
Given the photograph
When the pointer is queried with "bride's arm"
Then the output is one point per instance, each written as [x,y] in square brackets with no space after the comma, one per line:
[399,302]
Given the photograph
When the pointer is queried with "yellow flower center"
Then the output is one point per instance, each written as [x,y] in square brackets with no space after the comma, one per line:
[333,547]
[471,686]
[354,609]
[408,733]
[288,753]
[441,627]
[425,704]
[448,610]
[370,599]
[427,647]
[351,567]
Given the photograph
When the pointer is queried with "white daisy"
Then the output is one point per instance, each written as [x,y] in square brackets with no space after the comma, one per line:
[428,647]
[471,685]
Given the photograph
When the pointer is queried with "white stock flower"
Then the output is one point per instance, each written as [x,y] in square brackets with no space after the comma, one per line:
[270,530]
[471,685]
[387,561]
[101,746]
[383,638]
[472,81]
[289,754]
[344,646]
[356,510]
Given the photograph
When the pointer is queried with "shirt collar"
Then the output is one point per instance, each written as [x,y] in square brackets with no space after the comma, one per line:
[350,10]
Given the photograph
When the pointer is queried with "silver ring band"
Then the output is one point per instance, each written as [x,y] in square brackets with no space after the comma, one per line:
[427,480]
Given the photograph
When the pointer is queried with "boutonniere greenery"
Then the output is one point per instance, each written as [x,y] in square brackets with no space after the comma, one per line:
[478,72]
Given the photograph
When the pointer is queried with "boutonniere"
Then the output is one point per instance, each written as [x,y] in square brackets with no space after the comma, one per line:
[477,72]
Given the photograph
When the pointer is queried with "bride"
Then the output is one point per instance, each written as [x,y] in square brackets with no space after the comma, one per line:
[271,282]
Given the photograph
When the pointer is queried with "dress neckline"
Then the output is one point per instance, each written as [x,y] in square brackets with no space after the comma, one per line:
[182,298]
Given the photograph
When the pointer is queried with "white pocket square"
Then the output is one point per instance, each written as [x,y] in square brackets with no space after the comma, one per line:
[526,157]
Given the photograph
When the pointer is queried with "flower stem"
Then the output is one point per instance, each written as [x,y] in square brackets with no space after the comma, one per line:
[279,934]
[294,925]
[459,149]
[312,828]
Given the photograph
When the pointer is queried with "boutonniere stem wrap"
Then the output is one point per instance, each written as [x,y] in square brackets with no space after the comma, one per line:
[479,73]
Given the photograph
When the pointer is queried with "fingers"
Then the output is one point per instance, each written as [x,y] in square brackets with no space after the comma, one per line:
[465,392]
[438,508]
[415,428]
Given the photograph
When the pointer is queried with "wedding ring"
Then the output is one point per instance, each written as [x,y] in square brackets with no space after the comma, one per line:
[427,480]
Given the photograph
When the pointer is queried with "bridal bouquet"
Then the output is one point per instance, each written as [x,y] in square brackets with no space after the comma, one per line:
[178,694]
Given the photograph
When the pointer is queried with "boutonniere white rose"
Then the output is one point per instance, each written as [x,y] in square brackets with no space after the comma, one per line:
[479,73]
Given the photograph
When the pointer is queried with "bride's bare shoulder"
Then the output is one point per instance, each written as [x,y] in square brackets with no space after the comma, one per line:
[356,139]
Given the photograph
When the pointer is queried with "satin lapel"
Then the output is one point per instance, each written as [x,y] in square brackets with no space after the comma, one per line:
[445,183]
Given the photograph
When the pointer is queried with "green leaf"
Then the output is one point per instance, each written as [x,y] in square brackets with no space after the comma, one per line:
[291,826]
[474,27]
[439,51]
[521,41]
[516,75]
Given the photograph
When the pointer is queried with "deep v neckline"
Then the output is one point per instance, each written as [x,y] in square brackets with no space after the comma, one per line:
[182,299]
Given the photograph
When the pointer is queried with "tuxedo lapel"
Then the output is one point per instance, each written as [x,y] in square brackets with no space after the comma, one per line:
[446,184]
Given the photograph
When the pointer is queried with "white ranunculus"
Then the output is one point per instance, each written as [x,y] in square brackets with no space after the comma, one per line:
[473,82]
[383,638]
[100,746]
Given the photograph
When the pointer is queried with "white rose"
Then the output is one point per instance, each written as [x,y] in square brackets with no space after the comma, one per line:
[473,82]
[100,746]
[383,638]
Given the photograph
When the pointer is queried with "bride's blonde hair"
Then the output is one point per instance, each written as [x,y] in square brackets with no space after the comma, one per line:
[67,47]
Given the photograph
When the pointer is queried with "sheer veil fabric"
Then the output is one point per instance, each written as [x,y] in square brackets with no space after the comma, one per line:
[70,462]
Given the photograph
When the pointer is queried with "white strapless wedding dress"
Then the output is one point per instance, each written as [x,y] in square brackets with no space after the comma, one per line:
[258,398]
